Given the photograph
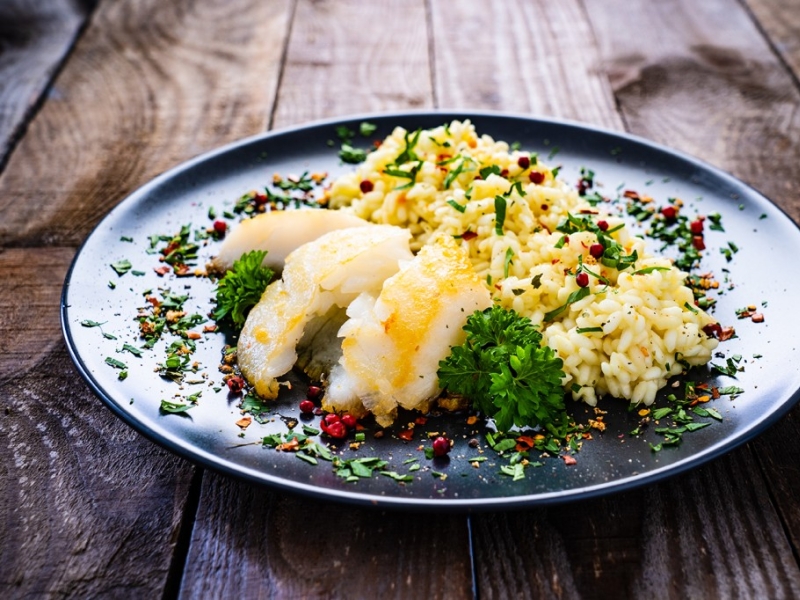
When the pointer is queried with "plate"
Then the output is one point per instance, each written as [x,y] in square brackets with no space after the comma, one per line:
[613,461]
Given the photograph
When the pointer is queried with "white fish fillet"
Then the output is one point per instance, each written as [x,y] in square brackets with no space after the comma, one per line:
[393,342]
[280,233]
[330,271]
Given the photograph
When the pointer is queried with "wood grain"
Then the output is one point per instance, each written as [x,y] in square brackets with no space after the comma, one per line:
[88,507]
[35,38]
[249,542]
[149,85]
[780,21]
[29,306]
[527,57]
[705,82]
[699,536]
[350,56]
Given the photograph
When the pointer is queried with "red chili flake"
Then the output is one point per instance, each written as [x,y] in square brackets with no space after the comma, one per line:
[524,162]
[170,248]
[715,393]
[569,460]
[602,225]
[633,195]
[181,270]
[406,434]
[260,199]
[669,212]
[727,333]
[524,443]
[596,250]
[420,420]
[698,242]
[163,270]
[366,186]
[696,227]
[757,318]
[713,330]
[235,384]
[468,235]
[536,177]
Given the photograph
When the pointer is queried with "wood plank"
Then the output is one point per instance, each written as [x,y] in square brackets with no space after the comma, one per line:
[715,73]
[546,63]
[705,81]
[700,536]
[249,542]
[35,38]
[149,85]
[351,57]
[89,507]
[679,88]
[29,304]
[780,22]
[274,545]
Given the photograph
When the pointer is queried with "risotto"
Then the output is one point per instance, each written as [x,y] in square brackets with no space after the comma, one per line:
[621,319]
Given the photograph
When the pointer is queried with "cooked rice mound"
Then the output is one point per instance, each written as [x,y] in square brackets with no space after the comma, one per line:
[431,183]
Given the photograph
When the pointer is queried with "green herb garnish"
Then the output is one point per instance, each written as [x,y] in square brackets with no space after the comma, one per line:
[506,372]
[242,286]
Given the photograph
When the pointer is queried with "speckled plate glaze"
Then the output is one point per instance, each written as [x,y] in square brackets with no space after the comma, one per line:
[611,462]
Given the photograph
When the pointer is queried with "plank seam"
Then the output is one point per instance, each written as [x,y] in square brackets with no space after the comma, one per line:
[617,105]
[787,532]
[174,581]
[21,129]
[282,70]
[431,52]
[472,565]
[770,44]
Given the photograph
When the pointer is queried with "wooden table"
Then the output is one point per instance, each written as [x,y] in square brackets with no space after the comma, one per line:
[98,97]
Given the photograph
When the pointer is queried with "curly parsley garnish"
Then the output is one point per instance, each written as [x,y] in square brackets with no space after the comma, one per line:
[241,287]
[506,372]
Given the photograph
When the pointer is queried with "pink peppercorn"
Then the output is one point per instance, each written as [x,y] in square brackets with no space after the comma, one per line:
[441,446]
[220,227]
[596,250]
[536,177]
[582,279]
[524,162]
[366,186]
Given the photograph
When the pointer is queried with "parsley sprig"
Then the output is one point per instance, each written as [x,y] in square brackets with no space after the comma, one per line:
[241,287]
[506,372]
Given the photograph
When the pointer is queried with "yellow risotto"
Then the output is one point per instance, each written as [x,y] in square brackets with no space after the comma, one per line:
[621,319]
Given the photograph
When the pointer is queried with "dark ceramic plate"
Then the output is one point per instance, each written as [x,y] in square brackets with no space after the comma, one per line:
[612,461]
